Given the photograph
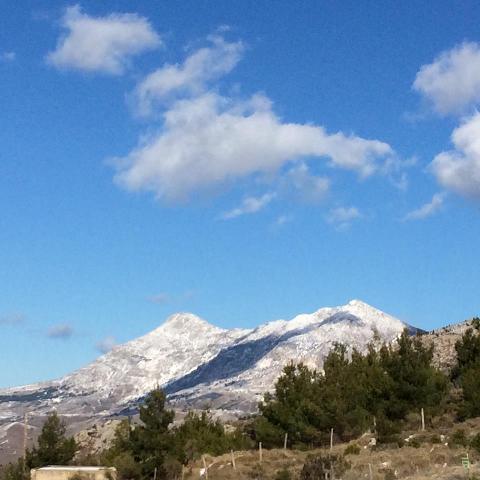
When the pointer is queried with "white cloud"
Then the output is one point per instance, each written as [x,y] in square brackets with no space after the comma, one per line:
[250,205]
[61,331]
[342,217]
[102,44]
[310,188]
[8,56]
[191,77]
[428,209]
[459,169]
[210,140]
[106,344]
[452,81]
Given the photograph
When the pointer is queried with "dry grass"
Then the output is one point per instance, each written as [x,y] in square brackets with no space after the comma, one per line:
[428,461]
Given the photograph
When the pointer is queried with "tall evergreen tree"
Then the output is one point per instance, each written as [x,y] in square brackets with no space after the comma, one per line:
[53,446]
[151,441]
[466,373]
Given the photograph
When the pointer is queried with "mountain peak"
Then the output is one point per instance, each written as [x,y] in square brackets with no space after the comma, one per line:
[355,302]
[184,321]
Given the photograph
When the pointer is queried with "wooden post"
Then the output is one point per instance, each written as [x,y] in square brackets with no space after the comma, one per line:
[331,438]
[25,441]
[423,420]
[233,460]
[183,471]
[260,453]
[205,466]
[370,471]
[285,441]
[155,474]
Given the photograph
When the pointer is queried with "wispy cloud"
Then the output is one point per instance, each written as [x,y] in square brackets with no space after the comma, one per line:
[61,331]
[342,217]
[8,56]
[106,344]
[428,209]
[160,298]
[12,319]
[102,44]
[189,78]
[309,187]
[283,220]
[250,205]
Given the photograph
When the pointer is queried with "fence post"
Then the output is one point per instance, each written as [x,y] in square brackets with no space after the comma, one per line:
[260,453]
[423,420]
[285,441]
[205,466]
[370,471]
[331,438]
[233,460]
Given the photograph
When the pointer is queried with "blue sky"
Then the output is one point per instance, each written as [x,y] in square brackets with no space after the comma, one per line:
[245,161]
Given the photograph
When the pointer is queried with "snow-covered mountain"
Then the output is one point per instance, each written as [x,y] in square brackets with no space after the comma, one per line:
[198,364]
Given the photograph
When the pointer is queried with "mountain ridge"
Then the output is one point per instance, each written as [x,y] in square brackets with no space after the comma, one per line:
[197,364]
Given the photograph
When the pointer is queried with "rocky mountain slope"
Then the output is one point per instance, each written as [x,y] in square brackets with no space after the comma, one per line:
[444,339]
[198,364]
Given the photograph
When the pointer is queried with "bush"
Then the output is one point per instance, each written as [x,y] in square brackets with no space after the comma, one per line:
[283,475]
[257,472]
[318,466]
[415,443]
[475,442]
[352,449]
[459,438]
[390,475]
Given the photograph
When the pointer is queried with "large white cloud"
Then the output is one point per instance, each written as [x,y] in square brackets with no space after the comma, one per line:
[102,44]
[191,77]
[459,169]
[209,140]
[452,81]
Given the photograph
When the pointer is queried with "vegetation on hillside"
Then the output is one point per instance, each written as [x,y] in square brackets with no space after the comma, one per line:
[354,393]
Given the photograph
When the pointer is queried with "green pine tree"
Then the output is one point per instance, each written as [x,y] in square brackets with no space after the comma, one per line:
[53,446]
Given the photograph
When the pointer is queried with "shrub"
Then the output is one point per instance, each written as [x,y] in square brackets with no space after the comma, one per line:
[283,474]
[257,472]
[390,475]
[475,442]
[316,467]
[415,443]
[459,438]
[352,449]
